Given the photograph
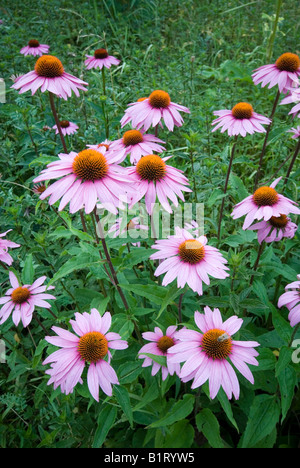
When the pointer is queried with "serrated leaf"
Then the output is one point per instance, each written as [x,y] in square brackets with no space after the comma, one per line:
[287,380]
[263,417]
[161,360]
[106,419]
[28,270]
[123,399]
[208,424]
[180,410]
[79,262]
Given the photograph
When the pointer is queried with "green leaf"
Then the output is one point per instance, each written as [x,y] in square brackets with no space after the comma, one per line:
[28,270]
[266,360]
[180,435]
[263,417]
[180,410]
[154,293]
[106,419]
[223,399]
[171,295]
[123,399]
[151,394]
[208,424]
[239,187]
[162,360]
[79,262]
[135,257]
[129,372]
[282,327]
[287,380]
[285,358]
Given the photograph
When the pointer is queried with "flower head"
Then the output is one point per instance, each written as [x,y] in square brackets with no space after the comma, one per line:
[206,355]
[6,244]
[35,48]
[154,178]
[293,97]
[67,127]
[89,345]
[101,147]
[188,259]
[291,300]
[100,59]
[275,229]
[193,227]
[240,120]
[39,188]
[283,73]
[137,144]
[159,345]
[265,203]
[152,110]
[49,75]
[134,224]
[85,178]
[21,300]
[295,132]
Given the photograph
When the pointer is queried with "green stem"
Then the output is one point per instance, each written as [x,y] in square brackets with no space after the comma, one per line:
[292,162]
[259,254]
[3,265]
[266,141]
[103,105]
[294,334]
[273,34]
[226,187]
[114,275]
[180,307]
[52,104]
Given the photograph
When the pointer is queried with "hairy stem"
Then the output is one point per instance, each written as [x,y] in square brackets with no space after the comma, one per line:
[53,109]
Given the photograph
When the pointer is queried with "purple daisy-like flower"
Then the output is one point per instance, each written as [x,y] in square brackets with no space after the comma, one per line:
[154,178]
[49,75]
[35,48]
[152,110]
[137,144]
[283,73]
[20,301]
[291,300]
[67,127]
[89,345]
[159,345]
[188,259]
[211,354]
[265,203]
[292,98]
[275,229]
[84,179]
[240,120]
[100,59]
[6,244]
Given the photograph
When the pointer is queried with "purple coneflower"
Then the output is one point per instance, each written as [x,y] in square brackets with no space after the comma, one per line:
[206,355]
[20,301]
[188,259]
[89,345]
[159,345]
[100,59]
[35,48]
[265,203]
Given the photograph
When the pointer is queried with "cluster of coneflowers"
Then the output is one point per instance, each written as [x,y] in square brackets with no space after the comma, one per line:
[94,175]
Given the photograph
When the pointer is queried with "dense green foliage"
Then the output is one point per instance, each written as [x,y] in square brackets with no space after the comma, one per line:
[203,54]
